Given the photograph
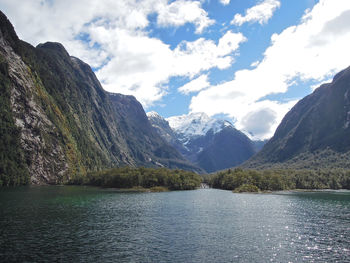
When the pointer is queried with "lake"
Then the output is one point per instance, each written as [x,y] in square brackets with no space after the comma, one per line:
[87,224]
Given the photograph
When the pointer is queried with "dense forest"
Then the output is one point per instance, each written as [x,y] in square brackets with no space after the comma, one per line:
[241,180]
[127,177]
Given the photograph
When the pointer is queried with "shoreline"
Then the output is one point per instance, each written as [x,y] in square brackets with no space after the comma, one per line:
[157,189]
[136,189]
[292,191]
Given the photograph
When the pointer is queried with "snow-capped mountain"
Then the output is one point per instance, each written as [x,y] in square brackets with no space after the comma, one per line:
[194,125]
[212,144]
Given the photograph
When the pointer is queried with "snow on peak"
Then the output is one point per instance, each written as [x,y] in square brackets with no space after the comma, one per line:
[196,124]
[153,114]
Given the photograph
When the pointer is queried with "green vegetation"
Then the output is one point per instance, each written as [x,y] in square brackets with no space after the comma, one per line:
[154,179]
[13,169]
[324,159]
[244,188]
[273,180]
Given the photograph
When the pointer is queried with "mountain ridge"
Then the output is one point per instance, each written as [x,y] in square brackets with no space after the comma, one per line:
[314,133]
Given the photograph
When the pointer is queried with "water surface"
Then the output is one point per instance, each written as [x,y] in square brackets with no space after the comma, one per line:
[86,224]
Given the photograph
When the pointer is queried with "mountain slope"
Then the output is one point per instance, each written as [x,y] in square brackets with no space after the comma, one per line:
[228,148]
[315,132]
[209,143]
[64,122]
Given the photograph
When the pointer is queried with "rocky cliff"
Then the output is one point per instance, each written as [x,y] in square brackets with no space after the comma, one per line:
[59,122]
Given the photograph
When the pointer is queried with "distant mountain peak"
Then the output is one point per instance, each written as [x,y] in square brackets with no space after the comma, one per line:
[212,144]
[196,124]
[153,114]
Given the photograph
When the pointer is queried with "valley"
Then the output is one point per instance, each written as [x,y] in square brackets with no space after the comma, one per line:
[174,131]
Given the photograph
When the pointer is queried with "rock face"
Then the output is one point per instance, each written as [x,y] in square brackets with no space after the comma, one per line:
[209,143]
[163,128]
[314,133]
[63,120]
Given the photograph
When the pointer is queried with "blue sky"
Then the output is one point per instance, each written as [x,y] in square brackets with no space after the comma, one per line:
[289,13]
[249,61]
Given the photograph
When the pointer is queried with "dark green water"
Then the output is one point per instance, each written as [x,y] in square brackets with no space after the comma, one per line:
[85,224]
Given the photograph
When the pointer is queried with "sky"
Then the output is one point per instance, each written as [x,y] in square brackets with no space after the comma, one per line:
[248,61]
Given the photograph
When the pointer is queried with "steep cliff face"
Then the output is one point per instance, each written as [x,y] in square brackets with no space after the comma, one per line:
[66,123]
[29,116]
[315,132]
[13,169]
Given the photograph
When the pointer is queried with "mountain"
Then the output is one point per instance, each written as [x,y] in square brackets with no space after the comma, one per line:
[315,133]
[58,122]
[211,144]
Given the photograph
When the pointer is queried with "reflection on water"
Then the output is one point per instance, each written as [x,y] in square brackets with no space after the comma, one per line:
[90,224]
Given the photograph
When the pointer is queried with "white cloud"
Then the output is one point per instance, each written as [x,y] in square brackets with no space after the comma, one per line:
[260,121]
[262,118]
[255,64]
[260,13]
[230,42]
[66,21]
[181,12]
[144,70]
[313,50]
[225,2]
[195,85]
[192,57]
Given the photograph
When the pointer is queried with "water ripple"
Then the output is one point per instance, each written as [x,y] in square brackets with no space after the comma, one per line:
[77,224]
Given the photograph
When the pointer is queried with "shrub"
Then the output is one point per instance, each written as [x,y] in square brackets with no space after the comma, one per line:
[246,188]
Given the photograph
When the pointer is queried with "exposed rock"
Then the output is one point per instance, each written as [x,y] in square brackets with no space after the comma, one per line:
[46,159]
